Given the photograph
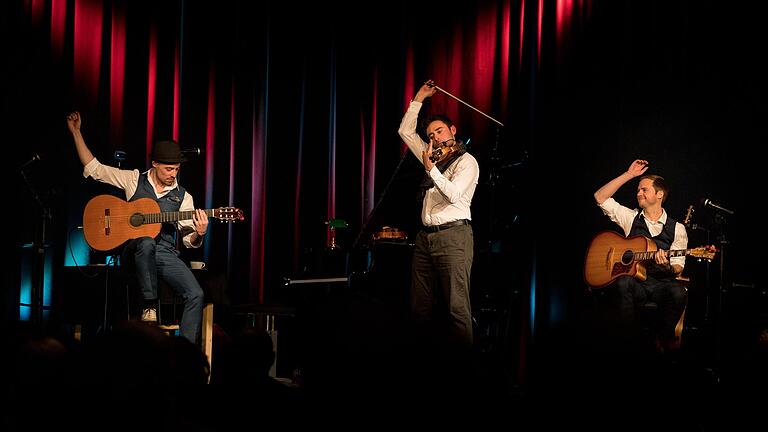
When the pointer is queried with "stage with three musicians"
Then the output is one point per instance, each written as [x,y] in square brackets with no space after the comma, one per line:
[544,215]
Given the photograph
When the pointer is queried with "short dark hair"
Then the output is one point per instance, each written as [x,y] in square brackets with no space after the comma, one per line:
[433,118]
[438,117]
[659,184]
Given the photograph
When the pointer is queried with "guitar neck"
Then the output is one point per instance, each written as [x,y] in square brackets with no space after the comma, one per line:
[641,256]
[150,218]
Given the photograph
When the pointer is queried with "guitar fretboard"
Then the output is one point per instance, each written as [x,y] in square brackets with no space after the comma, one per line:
[150,218]
[650,254]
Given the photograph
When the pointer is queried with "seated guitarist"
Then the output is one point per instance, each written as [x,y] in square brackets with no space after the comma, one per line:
[156,257]
[651,221]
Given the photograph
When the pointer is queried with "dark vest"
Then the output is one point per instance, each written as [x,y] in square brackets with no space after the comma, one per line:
[170,202]
[663,241]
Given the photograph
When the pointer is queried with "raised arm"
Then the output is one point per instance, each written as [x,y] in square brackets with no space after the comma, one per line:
[407,128]
[637,168]
[427,90]
[73,122]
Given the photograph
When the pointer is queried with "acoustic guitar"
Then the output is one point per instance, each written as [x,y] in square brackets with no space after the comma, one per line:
[611,255]
[109,221]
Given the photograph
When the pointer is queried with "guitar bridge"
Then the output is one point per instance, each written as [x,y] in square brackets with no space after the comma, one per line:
[107,227]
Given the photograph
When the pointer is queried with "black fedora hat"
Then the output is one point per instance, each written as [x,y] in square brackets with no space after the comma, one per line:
[167,152]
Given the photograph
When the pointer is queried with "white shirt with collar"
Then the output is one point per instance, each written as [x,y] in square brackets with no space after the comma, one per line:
[451,197]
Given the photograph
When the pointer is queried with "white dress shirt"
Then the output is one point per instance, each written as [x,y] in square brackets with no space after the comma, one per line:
[451,197]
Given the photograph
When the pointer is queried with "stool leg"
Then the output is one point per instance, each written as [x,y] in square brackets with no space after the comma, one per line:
[207,333]
[159,314]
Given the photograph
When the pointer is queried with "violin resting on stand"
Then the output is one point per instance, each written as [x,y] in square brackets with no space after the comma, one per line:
[389,233]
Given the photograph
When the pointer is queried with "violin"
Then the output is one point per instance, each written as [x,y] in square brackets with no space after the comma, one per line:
[442,151]
[390,233]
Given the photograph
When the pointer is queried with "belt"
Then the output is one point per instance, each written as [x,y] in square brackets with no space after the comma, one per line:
[445,226]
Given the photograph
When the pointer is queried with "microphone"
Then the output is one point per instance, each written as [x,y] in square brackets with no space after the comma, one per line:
[35,157]
[119,155]
[193,151]
[708,203]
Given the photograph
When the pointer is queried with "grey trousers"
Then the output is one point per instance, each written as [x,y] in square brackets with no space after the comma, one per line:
[442,263]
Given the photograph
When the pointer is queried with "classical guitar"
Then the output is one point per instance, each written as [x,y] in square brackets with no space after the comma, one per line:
[109,221]
[611,255]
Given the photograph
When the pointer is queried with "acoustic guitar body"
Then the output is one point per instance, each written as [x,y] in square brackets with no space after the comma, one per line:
[109,221]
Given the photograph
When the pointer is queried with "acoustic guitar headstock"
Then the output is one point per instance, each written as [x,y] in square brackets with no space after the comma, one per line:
[706,253]
[229,214]
[688,215]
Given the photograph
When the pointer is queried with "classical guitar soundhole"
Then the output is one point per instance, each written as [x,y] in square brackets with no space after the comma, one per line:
[137,219]
[627,257]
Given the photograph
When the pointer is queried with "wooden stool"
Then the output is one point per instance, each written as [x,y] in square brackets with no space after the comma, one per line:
[167,296]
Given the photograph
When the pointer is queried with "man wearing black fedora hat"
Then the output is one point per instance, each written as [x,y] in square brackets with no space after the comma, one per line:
[158,257]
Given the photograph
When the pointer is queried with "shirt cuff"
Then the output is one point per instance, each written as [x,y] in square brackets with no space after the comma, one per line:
[91,167]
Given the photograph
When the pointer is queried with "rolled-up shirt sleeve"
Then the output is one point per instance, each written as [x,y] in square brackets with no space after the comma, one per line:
[679,243]
[623,216]
[407,130]
[188,204]
[124,179]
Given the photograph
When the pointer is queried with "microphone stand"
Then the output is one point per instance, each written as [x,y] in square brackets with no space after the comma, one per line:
[114,258]
[719,220]
[714,321]
[38,279]
[707,283]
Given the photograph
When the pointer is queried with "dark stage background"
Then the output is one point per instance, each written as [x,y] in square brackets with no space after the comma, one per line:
[296,111]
